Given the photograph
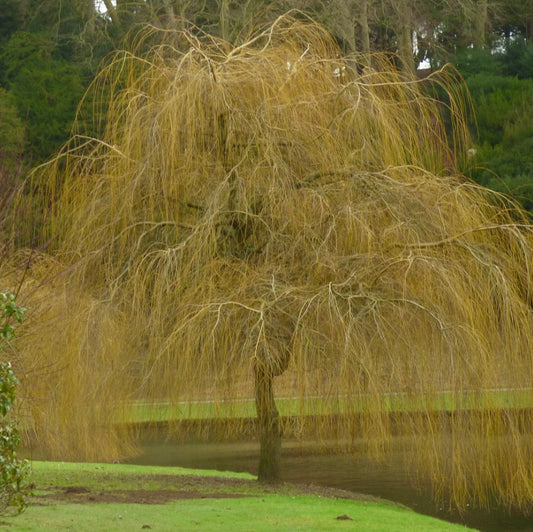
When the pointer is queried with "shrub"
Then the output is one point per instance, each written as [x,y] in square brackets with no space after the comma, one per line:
[13,471]
[11,128]
[504,135]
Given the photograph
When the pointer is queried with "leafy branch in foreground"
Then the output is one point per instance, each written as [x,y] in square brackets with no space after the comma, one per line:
[8,312]
[13,471]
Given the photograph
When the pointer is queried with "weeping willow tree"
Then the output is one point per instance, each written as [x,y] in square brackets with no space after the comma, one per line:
[269,218]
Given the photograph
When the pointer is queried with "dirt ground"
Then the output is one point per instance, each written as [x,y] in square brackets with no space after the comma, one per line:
[175,488]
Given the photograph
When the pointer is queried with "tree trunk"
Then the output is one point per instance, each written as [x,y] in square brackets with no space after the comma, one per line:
[403,25]
[112,12]
[170,21]
[405,47]
[344,23]
[87,11]
[269,428]
[365,28]
[480,23]
[528,24]
[224,16]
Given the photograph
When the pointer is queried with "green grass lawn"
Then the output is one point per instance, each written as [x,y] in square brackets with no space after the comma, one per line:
[116,497]
[200,410]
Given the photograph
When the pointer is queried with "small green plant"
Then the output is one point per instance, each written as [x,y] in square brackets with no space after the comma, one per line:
[8,312]
[13,471]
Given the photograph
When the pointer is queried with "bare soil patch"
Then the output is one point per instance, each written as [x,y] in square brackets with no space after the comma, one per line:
[167,488]
[81,495]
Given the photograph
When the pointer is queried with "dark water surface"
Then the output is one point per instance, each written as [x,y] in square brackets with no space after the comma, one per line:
[388,480]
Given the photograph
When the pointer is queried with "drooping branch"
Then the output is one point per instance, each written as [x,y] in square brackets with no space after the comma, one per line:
[247,189]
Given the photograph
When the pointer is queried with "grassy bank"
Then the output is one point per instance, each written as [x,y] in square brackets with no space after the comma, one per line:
[289,407]
[116,497]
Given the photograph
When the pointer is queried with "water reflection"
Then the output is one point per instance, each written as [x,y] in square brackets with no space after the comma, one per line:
[300,463]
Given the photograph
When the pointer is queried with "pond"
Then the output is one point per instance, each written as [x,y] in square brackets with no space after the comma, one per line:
[300,463]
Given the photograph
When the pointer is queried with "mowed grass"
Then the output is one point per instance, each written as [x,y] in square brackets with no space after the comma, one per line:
[279,513]
[140,412]
[245,505]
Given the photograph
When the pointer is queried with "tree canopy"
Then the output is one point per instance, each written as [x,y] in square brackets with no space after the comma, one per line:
[273,213]
[49,53]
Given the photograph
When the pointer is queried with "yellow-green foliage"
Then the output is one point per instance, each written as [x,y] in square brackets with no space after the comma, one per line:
[274,203]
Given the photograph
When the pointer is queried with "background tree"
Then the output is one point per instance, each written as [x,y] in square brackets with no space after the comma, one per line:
[250,219]
[48,55]
[518,18]
[46,90]
[501,87]
[11,129]
[11,145]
